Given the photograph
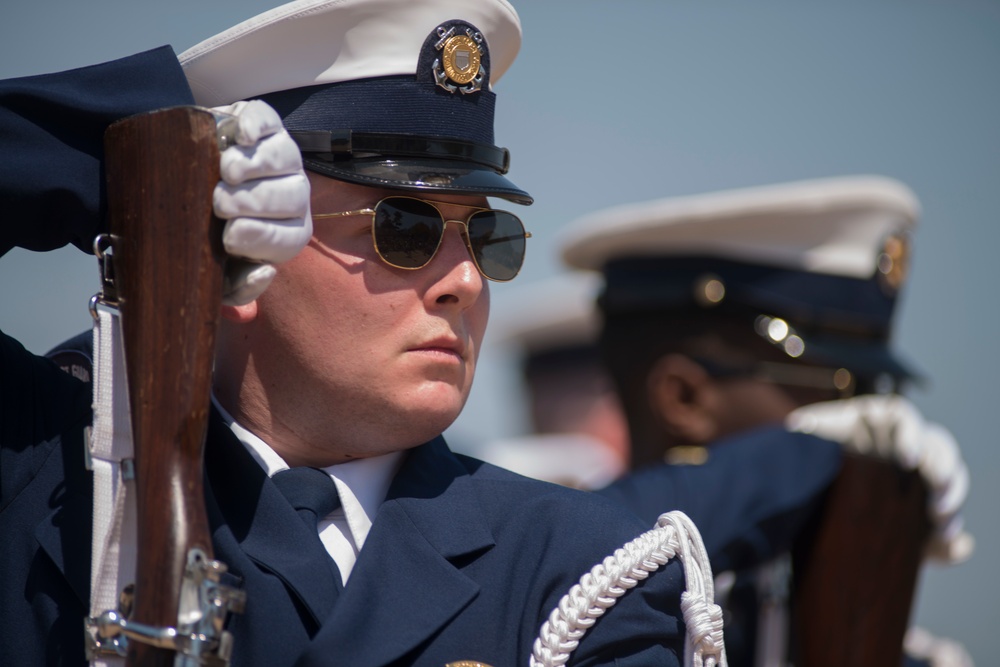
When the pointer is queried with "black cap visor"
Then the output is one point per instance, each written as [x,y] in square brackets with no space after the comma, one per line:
[419,174]
[866,359]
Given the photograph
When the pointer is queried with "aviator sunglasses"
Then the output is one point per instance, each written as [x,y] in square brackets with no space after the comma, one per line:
[408,232]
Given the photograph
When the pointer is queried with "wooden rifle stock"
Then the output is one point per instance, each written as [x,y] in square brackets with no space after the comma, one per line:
[854,582]
[162,168]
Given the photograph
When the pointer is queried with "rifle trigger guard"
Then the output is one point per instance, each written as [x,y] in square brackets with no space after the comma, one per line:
[199,639]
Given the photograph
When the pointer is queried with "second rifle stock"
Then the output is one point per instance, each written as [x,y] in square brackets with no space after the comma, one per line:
[854,583]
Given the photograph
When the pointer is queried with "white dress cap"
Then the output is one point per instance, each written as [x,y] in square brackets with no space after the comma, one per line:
[833,226]
[311,42]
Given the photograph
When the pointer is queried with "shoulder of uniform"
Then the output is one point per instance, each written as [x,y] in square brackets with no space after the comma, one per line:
[75,356]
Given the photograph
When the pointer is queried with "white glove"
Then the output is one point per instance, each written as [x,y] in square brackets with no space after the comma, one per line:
[263,196]
[892,428]
[935,651]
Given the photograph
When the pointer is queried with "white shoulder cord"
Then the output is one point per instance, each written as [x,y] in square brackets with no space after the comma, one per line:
[113,546]
[598,590]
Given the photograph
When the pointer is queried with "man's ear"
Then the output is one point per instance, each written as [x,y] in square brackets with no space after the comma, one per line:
[241,314]
[682,395]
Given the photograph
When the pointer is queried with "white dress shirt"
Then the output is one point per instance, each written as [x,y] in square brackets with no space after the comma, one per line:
[362,485]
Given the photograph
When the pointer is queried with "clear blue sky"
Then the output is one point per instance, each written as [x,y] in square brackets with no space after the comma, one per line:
[614,102]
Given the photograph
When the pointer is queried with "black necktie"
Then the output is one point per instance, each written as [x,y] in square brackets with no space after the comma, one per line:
[310,491]
[313,494]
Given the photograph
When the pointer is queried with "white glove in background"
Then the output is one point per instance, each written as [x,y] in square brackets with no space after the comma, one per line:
[264,198]
[891,427]
[935,651]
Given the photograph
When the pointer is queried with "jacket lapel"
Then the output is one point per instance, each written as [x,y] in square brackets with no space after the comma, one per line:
[64,534]
[405,580]
[266,527]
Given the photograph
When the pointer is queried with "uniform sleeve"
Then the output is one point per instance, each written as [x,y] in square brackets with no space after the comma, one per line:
[38,403]
[751,498]
[51,139]
[645,625]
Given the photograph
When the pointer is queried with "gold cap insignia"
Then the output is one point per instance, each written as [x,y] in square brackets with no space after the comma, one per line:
[461,59]
[467,663]
[893,263]
[460,65]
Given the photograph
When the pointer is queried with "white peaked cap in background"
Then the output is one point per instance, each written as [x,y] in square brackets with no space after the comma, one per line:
[545,314]
[835,226]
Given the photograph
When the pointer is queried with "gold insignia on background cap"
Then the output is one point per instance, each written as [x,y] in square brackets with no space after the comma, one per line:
[460,66]
[893,262]
[467,663]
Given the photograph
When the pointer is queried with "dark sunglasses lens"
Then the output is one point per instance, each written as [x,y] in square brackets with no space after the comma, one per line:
[497,239]
[407,231]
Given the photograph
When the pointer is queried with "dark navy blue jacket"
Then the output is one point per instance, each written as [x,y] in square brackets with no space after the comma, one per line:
[464,560]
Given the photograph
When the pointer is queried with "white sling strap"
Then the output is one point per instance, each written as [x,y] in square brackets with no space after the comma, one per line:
[113,547]
[675,535]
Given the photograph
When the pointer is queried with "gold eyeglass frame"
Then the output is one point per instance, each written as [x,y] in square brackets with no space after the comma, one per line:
[435,204]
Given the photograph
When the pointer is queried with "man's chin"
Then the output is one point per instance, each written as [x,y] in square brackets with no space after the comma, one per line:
[428,423]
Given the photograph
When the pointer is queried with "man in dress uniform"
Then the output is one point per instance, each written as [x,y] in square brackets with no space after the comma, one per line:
[737,315]
[360,352]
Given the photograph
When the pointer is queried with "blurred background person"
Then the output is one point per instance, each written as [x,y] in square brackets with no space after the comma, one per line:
[728,312]
[578,436]
[725,311]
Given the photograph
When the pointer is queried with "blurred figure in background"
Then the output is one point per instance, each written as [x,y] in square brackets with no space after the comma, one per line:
[723,315]
[726,311]
[731,312]
[578,433]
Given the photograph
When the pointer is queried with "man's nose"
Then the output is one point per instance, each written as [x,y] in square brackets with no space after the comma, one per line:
[458,278]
